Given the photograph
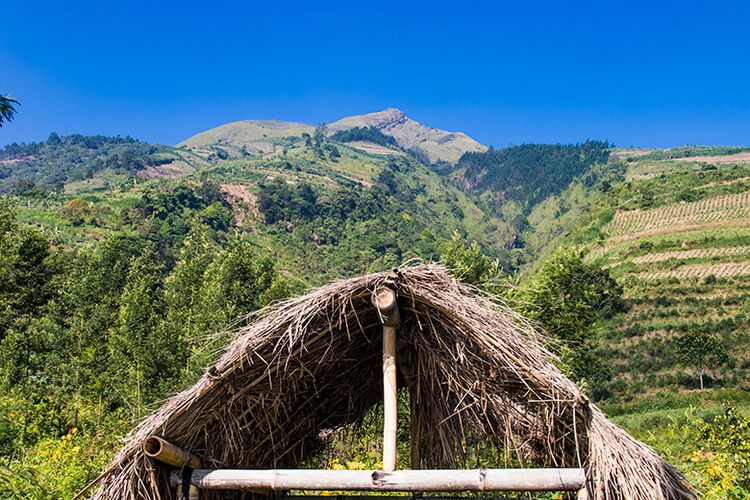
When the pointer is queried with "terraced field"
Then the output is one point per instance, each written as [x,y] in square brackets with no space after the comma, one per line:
[640,343]
[629,224]
[684,266]
[691,254]
[702,271]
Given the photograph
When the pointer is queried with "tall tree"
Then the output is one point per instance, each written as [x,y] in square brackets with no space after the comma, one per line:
[238,281]
[136,349]
[182,292]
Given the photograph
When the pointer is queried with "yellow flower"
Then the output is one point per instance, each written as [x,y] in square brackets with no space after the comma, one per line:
[355,465]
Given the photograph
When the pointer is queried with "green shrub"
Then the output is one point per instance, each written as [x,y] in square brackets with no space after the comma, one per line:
[727,440]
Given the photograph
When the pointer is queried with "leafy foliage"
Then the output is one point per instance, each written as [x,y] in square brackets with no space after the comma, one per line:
[727,438]
[7,108]
[92,337]
[567,298]
[278,201]
[471,265]
[60,159]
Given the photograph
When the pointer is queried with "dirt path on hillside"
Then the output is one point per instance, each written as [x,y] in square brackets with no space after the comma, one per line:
[375,149]
[691,254]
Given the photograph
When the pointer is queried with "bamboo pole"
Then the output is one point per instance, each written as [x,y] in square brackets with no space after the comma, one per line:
[390,398]
[400,480]
[165,452]
[385,300]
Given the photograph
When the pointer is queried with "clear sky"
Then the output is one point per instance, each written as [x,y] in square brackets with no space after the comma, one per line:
[506,72]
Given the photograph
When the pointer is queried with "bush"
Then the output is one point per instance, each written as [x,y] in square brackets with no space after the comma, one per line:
[727,440]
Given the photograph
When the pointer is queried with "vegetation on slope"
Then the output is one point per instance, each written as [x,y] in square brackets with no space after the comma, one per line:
[367,134]
[690,151]
[49,164]
[531,172]
[91,338]
[678,243]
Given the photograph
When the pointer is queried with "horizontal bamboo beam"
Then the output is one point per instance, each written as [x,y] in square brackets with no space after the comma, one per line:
[400,480]
[368,496]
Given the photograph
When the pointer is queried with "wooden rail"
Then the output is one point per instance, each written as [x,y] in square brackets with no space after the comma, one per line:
[400,480]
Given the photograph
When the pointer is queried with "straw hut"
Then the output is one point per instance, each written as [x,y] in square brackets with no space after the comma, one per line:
[474,370]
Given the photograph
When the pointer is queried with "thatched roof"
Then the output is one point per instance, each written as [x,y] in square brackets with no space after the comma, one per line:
[314,363]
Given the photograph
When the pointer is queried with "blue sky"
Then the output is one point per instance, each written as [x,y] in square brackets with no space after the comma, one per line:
[636,73]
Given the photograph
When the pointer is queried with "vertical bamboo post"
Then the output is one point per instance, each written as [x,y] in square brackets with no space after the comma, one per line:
[385,300]
[390,398]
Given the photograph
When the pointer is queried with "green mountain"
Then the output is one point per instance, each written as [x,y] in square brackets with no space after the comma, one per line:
[125,264]
[259,137]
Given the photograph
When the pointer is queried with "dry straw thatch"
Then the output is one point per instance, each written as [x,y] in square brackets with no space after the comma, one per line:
[314,363]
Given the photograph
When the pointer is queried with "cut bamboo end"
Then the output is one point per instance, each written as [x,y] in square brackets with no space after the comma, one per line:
[164,451]
[384,299]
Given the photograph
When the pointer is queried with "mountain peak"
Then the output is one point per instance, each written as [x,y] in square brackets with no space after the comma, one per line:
[436,144]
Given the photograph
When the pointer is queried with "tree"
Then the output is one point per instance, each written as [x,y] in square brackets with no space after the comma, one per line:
[471,265]
[7,108]
[182,290]
[237,281]
[700,349]
[319,135]
[137,352]
[567,298]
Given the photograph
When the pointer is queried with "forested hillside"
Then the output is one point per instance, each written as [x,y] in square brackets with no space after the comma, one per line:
[531,172]
[61,161]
